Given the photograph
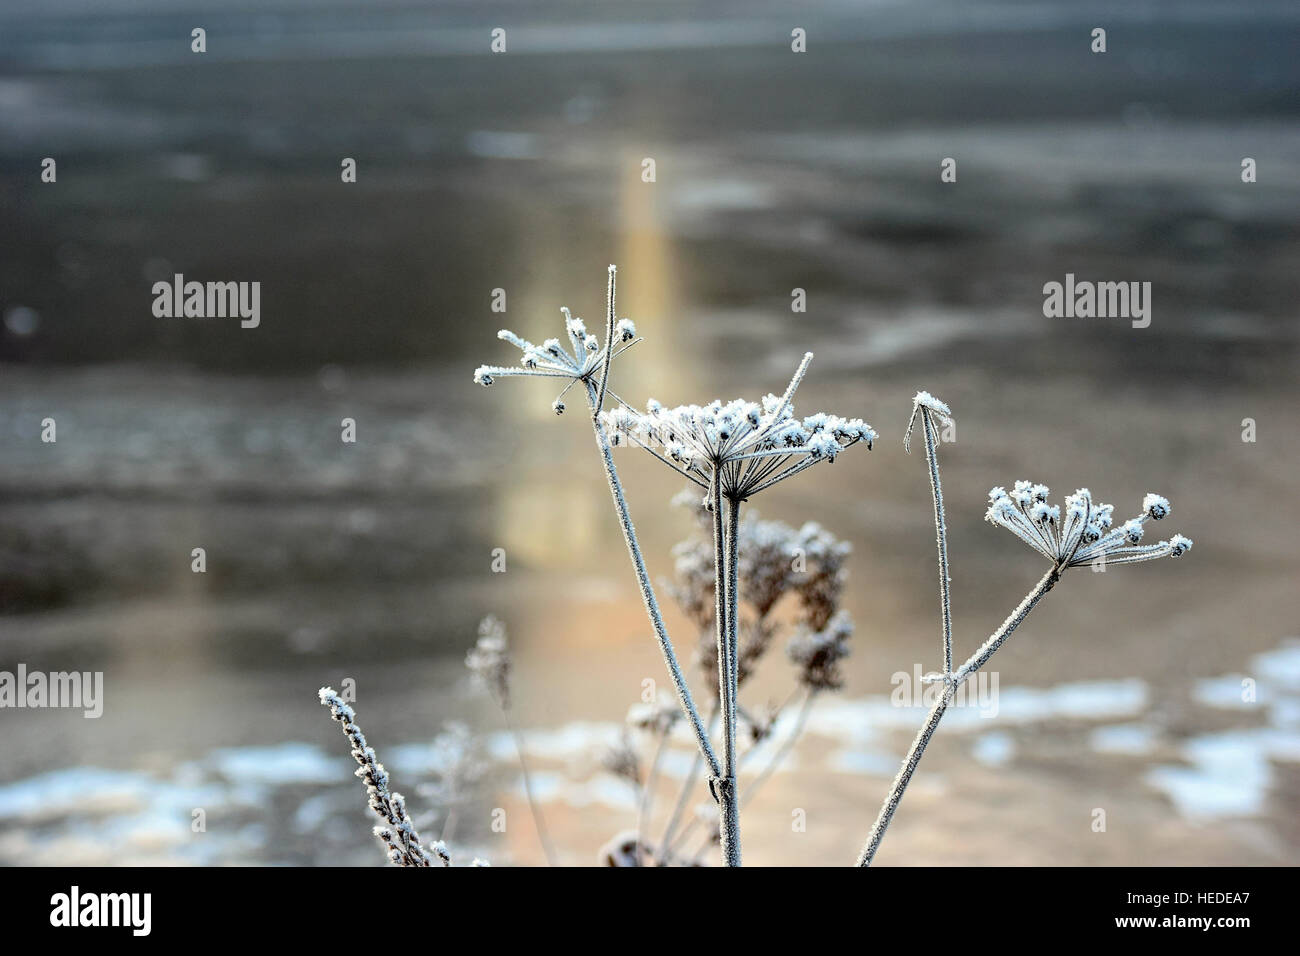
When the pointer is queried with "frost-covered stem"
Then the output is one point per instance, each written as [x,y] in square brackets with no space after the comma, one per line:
[905,773]
[724,580]
[1013,621]
[733,604]
[647,794]
[771,765]
[647,592]
[543,836]
[609,343]
[973,663]
[941,537]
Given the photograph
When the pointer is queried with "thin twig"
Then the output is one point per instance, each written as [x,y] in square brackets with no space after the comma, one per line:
[609,342]
[647,794]
[670,838]
[917,750]
[543,836]
[941,537]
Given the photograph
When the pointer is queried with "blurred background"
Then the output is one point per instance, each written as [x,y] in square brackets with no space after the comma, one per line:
[522,171]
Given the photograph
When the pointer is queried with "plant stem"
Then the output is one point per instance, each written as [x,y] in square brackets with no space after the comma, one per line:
[647,795]
[917,750]
[941,537]
[647,592]
[609,343]
[543,836]
[1013,621]
[724,785]
[768,769]
[669,840]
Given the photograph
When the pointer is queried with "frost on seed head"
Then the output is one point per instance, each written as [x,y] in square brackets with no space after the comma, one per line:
[580,357]
[1087,533]
[1155,506]
[935,411]
[748,446]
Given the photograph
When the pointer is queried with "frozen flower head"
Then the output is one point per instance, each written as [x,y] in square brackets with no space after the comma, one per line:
[489,660]
[749,446]
[923,403]
[1086,533]
[817,654]
[579,357]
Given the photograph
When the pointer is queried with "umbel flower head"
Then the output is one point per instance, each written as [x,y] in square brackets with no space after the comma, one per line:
[749,446]
[1088,531]
[578,361]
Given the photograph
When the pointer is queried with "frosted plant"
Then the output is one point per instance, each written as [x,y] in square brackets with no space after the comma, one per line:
[1085,535]
[589,366]
[931,412]
[744,447]
[734,451]
[395,830]
[489,661]
[552,360]
[775,560]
